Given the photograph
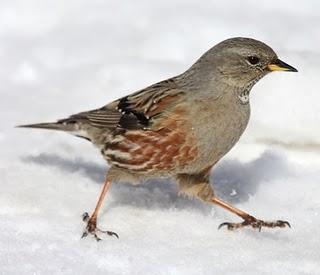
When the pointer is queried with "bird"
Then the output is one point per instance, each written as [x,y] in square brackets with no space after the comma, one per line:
[179,128]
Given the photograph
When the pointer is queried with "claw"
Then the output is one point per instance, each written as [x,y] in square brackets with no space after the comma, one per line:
[97,238]
[85,216]
[281,223]
[287,223]
[228,224]
[84,234]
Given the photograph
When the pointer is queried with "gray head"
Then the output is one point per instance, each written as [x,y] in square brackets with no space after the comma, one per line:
[239,62]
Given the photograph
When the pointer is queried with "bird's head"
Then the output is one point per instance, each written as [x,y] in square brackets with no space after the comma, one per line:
[242,61]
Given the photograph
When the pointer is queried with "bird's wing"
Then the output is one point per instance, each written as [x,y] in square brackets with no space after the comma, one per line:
[135,111]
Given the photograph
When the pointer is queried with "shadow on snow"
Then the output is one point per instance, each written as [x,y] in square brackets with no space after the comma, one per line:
[234,181]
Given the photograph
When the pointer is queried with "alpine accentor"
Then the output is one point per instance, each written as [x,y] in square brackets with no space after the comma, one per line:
[180,127]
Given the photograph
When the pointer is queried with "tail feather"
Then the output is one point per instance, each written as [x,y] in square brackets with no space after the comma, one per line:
[60,126]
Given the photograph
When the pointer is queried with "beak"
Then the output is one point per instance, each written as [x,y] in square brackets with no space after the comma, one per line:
[279,65]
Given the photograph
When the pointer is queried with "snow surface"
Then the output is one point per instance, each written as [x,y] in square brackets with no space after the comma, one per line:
[62,57]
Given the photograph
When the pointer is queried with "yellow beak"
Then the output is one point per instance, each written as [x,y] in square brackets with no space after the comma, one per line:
[279,65]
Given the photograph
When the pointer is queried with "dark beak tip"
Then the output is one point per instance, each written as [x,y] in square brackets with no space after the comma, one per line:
[292,69]
[285,66]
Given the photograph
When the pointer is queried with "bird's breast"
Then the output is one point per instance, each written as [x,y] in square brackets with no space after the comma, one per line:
[218,125]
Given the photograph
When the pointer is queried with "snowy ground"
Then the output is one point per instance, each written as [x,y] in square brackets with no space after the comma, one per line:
[62,57]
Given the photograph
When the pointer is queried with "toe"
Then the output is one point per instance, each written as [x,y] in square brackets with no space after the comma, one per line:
[255,223]
[110,233]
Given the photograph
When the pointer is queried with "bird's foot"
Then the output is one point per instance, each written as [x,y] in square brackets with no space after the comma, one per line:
[92,229]
[254,223]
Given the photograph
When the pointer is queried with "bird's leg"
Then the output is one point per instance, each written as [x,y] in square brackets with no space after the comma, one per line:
[91,221]
[248,219]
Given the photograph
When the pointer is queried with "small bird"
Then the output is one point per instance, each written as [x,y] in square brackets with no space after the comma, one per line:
[180,127]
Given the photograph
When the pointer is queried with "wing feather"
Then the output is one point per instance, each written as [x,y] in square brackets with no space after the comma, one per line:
[135,111]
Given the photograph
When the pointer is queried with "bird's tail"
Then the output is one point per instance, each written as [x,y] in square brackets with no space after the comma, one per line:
[62,125]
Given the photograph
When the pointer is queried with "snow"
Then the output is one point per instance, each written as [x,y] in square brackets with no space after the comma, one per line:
[62,57]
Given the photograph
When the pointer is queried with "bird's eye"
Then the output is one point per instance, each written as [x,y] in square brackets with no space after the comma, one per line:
[253,60]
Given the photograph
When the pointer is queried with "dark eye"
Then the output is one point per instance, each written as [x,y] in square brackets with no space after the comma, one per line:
[253,60]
